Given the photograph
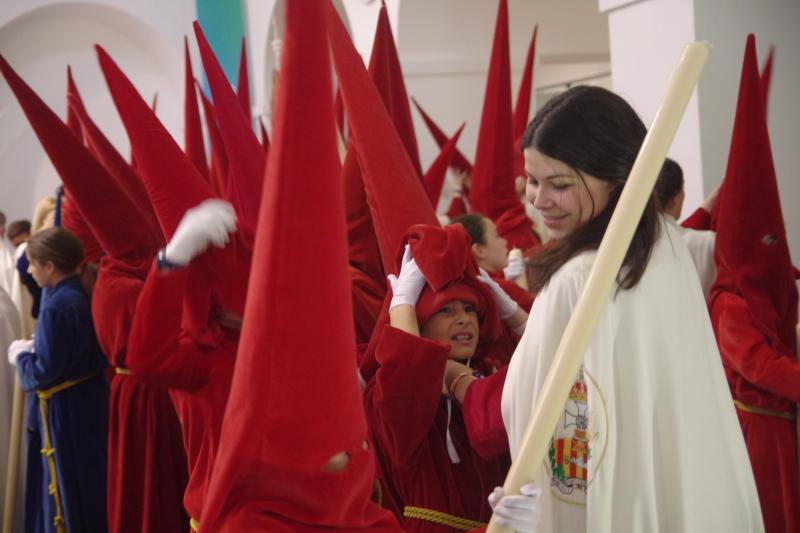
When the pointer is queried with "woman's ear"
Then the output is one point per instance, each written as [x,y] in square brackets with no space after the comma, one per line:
[478,250]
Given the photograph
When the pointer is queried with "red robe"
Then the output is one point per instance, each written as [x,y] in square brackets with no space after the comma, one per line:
[146,462]
[198,375]
[408,417]
[764,378]
[368,299]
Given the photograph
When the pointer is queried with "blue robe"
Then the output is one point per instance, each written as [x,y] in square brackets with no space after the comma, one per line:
[66,348]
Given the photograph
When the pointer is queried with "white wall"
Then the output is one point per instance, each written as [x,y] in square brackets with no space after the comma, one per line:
[40,38]
[647,38]
[445,45]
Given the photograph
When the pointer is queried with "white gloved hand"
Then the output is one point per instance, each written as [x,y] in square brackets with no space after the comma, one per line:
[506,306]
[406,287]
[16,348]
[520,512]
[515,268]
[207,223]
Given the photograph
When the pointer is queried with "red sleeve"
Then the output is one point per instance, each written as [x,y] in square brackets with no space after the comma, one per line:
[156,348]
[404,396]
[745,350]
[113,304]
[699,220]
[482,415]
[517,293]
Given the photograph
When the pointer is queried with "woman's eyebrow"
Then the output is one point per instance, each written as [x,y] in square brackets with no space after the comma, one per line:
[551,176]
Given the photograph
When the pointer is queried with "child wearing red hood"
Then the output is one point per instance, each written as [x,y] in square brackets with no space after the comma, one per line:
[443,319]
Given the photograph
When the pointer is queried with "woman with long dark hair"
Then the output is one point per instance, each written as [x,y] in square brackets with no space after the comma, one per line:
[648,438]
[63,369]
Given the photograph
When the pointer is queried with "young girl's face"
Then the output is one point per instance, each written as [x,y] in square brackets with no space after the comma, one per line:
[493,256]
[43,273]
[565,201]
[455,324]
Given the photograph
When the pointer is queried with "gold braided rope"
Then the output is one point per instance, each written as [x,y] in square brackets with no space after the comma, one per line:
[438,517]
[49,452]
[122,370]
[761,411]
[194,524]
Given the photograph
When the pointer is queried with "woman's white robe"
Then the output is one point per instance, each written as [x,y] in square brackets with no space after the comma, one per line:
[649,440]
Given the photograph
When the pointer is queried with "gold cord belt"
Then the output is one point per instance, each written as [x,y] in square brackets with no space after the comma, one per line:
[761,411]
[122,370]
[194,524]
[438,517]
[48,451]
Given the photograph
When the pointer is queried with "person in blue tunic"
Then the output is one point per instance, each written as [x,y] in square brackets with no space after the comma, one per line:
[62,369]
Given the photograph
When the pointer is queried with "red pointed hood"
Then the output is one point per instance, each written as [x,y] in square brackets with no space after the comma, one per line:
[460,162]
[264,137]
[363,250]
[172,182]
[516,227]
[522,109]
[174,185]
[294,400]
[338,110]
[70,216]
[384,67]
[219,160]
[766,77]
[395,193]
[434,177]
[243,82]
[751,252]
[193,141]
[492,188]
[245,155]
[127,181]
[97,208]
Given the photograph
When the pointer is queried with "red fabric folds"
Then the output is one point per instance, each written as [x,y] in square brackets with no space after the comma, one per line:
[436,173]
[291,410]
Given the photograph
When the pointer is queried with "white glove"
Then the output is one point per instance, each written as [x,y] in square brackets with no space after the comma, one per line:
[406,287]
[515,268]
[520,512]
[207,223]
[16,348]
[506,306]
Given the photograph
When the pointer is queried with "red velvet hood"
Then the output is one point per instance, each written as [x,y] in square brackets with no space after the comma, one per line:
[384,67]
[395,192]
[245,155]
[445,259]
[523,106]
[295,400]
[492,188]
[517,228]
[751,252]
[460,162]
[193,142]
[97,210]
[434,177]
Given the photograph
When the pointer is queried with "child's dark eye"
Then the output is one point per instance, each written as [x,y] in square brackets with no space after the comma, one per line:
[446,310]
[469,308]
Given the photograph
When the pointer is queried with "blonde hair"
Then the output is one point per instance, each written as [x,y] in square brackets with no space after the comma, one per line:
[43,208]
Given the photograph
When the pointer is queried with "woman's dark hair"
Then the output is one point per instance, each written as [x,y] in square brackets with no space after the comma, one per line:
[58,245]
[473,223]
[669,182]
[595,132]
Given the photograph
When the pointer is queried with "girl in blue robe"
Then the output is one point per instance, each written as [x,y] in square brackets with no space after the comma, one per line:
[62,369]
